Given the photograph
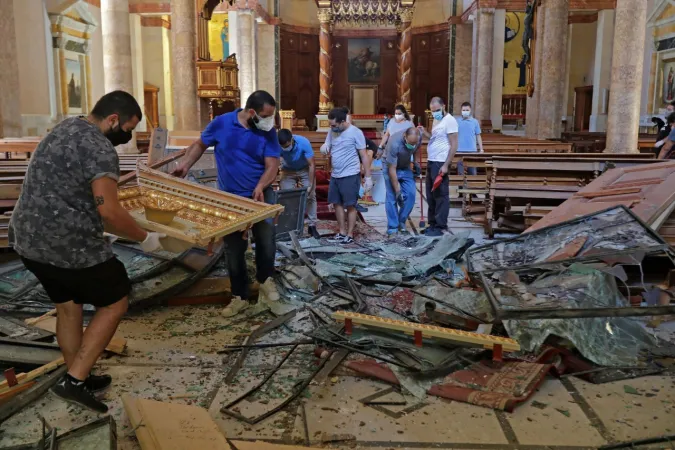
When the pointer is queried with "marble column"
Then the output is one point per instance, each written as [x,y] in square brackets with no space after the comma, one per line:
[267,58]
[552,84]
[602,69]
[462,75]
[246,57]
[532,109]
[497,83]
[117,58]
[10,103]
[325,61]
[183,67]
[405,49]
[623,117]
[485,22]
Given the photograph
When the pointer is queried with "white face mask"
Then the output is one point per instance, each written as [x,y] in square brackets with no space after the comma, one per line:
[399,116]
[466,113]
[265,124]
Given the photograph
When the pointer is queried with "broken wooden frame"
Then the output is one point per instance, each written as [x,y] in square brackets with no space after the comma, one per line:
[207,214]
[296,393]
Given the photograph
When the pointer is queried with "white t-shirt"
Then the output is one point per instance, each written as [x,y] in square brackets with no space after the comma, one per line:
[439,145]
[344,151]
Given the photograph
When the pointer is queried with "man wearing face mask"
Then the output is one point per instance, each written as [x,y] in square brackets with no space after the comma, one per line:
[68,195]
[247,155]
[469,135]
[298,168]
[399,178]
[347,151]
[440,151]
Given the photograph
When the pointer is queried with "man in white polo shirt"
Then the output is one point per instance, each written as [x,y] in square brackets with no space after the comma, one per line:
[440,151]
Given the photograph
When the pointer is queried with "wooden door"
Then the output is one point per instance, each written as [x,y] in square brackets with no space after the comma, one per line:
[582,108]
[151,97]
[647,190]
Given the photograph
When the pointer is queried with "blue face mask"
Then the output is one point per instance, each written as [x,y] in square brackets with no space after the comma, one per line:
[336,129]
[438,115]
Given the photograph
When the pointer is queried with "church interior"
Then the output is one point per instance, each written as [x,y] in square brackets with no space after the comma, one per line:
[559,248]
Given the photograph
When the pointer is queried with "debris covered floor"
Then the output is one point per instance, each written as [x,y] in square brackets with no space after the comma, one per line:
[172,357]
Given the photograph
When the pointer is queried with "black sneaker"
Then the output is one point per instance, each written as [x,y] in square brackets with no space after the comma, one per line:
[337,239]
[97,383]
[434,232]
[312,231]
[348,240]
[79,394]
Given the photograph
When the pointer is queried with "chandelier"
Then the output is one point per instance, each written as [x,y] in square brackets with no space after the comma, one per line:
[365,12]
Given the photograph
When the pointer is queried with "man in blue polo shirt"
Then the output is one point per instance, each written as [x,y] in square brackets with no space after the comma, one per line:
[469,134]
[298,170]
[247,158]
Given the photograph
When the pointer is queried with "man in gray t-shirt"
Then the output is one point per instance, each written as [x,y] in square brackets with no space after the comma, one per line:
[346,144]
[399,179]
[69,191]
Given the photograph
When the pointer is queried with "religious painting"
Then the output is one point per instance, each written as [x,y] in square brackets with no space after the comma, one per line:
[75,84]
[514,80]
[668,91]
[219,37]
[364,60]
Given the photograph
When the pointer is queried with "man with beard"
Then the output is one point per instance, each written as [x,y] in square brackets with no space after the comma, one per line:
[69,191]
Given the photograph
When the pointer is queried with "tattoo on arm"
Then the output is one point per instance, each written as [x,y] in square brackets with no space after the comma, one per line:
[99,200]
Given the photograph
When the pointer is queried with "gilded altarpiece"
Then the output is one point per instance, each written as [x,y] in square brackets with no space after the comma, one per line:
[71,32]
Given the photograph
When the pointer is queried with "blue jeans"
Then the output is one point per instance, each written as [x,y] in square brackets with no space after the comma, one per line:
[460,168]
[396,216]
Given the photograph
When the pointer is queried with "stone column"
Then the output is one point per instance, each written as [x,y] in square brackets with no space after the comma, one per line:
[117,60]
[462,75]
[485,22]
[325,61]
[602,67]
[497,82]
[532,111]
[623,118]
[267,74]
[183,67]
[10,103]
[245,57]
[552,69]
[405,49]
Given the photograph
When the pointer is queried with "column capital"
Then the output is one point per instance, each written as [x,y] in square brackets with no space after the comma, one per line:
[325,15]
[406,14]
[486,10]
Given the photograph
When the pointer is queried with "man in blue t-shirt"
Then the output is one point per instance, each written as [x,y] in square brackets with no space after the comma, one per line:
[298,170]
[247,158]
[469,135]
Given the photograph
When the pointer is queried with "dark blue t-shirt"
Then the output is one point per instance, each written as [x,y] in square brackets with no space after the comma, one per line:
[240,153]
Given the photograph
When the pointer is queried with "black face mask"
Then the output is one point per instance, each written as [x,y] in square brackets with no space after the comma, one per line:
[118,136]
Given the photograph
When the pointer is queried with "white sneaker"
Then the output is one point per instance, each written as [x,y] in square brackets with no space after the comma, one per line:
[236,306]
[269,291]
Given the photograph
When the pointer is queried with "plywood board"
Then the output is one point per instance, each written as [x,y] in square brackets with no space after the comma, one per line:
[117,344]
[428,330]
[172,426]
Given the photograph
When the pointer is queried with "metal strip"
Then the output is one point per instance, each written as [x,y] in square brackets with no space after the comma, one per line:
[588,411]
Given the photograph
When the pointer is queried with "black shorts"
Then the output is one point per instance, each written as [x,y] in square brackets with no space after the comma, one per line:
[99,285]
[344,191]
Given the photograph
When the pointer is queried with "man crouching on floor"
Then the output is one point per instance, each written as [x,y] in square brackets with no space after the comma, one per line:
[69,191]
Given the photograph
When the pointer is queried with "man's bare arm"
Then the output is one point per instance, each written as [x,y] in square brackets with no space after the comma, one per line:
[112,213]
[312,171]
[192,155]
[665,149]
[480,142]
[453,138]
[268,177]
[366,161]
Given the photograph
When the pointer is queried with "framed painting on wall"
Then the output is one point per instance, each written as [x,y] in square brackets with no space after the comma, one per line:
[668,74]
[364,60]
[75,85]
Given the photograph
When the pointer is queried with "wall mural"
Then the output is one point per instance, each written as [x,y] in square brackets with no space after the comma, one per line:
[668,93]
[364,61]
[515,67]
[219,37]
[75,84]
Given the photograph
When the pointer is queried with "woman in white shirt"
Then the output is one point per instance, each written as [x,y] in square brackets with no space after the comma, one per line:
[401,122]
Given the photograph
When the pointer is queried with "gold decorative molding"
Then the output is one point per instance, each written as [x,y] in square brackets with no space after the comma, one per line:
[360,13]
[324,108]
[325,15]
[406,14]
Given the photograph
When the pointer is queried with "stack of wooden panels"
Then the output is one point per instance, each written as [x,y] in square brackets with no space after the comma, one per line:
[519,187]
[596,141]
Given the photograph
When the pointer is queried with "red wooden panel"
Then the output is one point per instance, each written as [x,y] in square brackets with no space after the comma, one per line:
[656,195]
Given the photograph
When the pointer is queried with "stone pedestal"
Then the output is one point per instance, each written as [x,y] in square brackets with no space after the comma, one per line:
[322,123]
[117,59]
[10,106]
[623,118]
[532,111]
[183,67]
[325,63]
[554,50]
[485,23]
